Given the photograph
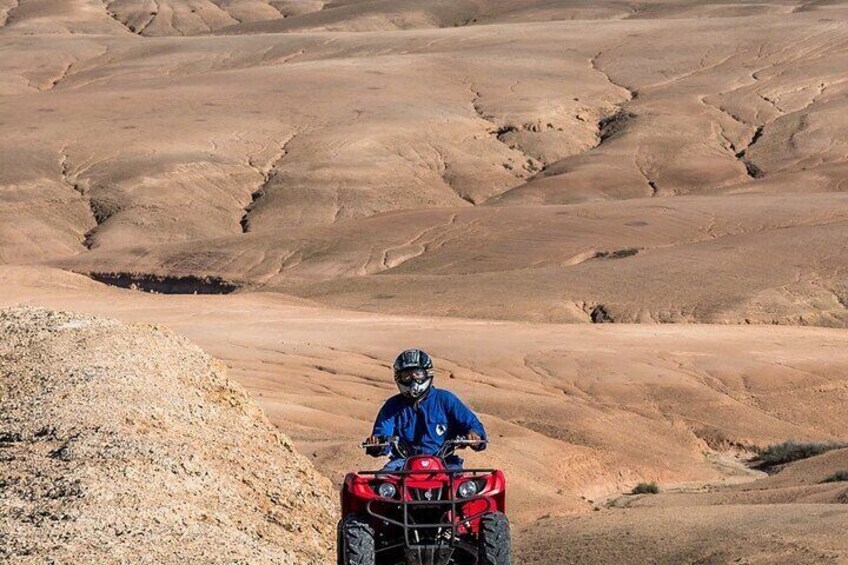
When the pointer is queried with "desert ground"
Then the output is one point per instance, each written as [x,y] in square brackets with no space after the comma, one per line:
[621,229]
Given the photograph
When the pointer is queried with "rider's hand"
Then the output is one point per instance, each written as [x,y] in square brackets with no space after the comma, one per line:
[373,451]
[472,436]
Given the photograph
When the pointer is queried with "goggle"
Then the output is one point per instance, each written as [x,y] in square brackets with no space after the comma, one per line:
[417,375]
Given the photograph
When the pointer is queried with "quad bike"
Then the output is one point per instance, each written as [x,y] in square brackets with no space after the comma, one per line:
[426,514]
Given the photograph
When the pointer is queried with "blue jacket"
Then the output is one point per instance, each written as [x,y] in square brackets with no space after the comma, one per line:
[437,417]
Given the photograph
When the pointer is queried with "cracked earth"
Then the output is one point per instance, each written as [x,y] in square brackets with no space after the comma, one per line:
[510,170]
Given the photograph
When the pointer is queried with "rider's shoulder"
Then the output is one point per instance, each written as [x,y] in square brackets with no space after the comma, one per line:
[394,402]
[445,396]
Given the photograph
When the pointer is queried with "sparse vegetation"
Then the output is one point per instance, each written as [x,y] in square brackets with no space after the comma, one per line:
[787,452]
[646,488]
[837,477]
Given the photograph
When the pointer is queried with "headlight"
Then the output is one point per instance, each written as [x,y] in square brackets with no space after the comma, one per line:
[387,490]
[468,489]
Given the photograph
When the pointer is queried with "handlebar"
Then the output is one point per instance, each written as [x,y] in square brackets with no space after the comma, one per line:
[450,445]
[466,441]
[404,450]
[398,446]
[386,441]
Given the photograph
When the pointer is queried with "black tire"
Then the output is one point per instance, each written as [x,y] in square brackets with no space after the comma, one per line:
[495,543]
[355,541]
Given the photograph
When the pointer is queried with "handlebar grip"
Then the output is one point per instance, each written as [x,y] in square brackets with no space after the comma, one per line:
[385,442]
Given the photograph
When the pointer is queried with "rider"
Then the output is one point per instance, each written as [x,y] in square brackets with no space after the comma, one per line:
[422,415]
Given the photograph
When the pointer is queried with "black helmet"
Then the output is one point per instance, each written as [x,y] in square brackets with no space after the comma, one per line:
[413,371]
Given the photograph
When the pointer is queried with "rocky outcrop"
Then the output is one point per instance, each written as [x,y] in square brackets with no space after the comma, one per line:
[123,443]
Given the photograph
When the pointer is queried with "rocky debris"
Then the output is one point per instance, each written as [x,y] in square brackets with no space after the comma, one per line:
[126,443]
[600,315]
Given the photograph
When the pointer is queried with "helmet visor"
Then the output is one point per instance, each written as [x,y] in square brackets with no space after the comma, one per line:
[407,376]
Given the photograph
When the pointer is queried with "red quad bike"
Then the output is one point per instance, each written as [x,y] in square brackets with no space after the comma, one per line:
[425,514]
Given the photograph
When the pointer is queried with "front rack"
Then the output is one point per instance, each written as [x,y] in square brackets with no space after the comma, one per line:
[452,501]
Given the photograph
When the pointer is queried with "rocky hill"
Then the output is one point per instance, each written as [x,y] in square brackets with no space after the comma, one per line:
[126,443]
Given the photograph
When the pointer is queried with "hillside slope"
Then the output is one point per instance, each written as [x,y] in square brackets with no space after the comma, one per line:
[127,444]
[663,161]
[798,515]
[576,413]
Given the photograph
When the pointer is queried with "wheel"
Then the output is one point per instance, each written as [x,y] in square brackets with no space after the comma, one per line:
[355,541]
[494,539]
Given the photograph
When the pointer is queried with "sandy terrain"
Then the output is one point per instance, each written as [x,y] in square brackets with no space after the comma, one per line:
[546,194]
[795,516]
[443,145]
[578,413]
